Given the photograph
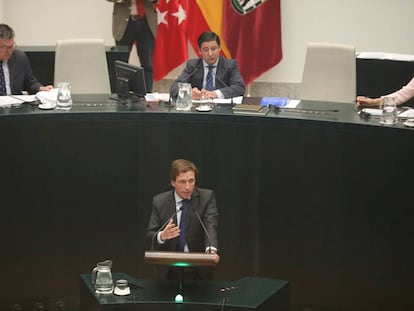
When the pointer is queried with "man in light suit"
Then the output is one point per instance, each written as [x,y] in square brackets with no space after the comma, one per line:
[226,79]
[16,73]
[171,228]
[136,20]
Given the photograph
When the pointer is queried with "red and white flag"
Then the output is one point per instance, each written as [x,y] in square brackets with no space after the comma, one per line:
[170,48]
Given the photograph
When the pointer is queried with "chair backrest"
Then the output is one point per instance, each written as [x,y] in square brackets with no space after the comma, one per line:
[329,73]
[82,63]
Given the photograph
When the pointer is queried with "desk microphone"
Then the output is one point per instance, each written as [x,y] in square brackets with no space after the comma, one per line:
[224,84]
[277,109]
[163,226]
[204,228]
[197,68]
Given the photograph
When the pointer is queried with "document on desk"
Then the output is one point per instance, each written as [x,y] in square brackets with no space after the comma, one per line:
[293,103]
[26,98]
[155,97]
[373,111]
[8,101]
[407,113]
[234,100]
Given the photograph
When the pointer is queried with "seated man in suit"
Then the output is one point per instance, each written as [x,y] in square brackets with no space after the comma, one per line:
[174,224]
[211,75]
[15,72]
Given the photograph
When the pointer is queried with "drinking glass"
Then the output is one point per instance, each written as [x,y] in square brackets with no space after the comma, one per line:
[206,103]
[64,98]
[389,110]
[121,288]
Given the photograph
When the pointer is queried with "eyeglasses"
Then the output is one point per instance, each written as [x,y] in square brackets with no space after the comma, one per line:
[7,47]
[212,49]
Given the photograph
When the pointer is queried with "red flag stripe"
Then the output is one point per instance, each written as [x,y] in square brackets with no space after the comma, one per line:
[170,48]
[254,39]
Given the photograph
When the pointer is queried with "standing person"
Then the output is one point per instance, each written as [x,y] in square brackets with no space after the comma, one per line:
[403,95]
[174,223]
[15,72]
[211,75]
[136,20]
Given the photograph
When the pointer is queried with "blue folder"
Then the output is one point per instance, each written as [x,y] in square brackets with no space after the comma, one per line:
[274,101]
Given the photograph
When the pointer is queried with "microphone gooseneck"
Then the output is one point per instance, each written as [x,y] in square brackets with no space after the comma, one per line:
[224,84]
[190,74]
[218,78]
[163,226]
[204,228]
[197,68]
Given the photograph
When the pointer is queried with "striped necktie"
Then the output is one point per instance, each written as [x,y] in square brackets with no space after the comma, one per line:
[209,79]
[2,80]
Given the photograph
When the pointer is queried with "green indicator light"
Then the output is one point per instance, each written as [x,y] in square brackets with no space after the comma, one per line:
[179,298]
[181,264]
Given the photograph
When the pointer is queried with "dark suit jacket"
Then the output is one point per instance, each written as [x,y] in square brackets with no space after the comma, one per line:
[228,78]
[21,75]
[163,207]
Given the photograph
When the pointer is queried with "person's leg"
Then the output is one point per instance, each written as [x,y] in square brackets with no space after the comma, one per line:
[145,50]
[128,38]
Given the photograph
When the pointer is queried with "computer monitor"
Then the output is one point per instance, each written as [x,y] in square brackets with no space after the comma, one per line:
[130,80]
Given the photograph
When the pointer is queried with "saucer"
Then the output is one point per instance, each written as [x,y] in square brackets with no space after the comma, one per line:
[46,107]
[385,123]
[204,108]
[409,124]
[122,292]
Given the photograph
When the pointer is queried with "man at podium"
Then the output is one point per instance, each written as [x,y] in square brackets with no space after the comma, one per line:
[184,219]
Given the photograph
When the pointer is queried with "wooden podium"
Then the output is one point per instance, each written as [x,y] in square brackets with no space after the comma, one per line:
[180,259]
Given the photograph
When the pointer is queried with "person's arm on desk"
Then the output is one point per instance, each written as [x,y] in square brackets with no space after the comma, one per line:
[403,95]
[46,88]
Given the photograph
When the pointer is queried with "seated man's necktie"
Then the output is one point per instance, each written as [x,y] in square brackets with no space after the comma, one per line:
[2,80]
[209,79]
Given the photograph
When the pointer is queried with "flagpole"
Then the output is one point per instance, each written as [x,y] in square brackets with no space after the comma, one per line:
[248,89]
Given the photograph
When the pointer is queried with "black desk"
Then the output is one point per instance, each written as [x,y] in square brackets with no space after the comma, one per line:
[248,293]
[320,200]
[42,61]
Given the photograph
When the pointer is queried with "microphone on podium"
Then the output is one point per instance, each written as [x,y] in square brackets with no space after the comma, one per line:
[204,228]
[163,226]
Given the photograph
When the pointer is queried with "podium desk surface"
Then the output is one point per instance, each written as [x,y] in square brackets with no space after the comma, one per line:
[103,107]
[249,292]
